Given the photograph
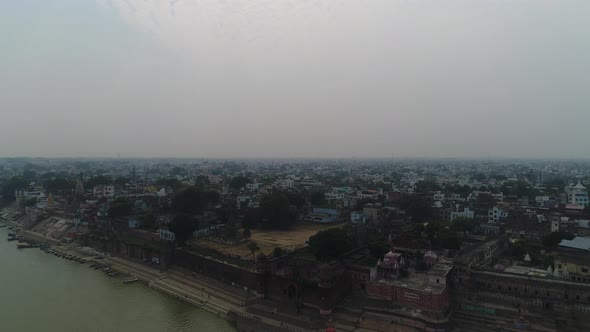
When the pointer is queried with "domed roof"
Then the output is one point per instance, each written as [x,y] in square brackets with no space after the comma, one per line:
[430,256]
[390,254]
[579,186]
[499,267]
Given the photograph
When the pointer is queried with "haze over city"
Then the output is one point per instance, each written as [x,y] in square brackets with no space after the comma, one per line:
[295,78]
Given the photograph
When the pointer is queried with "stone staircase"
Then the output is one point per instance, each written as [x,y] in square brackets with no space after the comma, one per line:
[142,272]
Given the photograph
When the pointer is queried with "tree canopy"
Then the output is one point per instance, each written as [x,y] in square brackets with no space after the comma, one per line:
[378,249]
[462,224]
[238,182]
[330,244]
[183,226]
[98,180]
[417,207]
[276,212]
[253,247]
[553,239]
[317,198]
[59,185]
[194,200]
[121,207]
[13,184]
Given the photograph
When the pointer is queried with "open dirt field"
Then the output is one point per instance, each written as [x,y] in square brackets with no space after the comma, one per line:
[267,240]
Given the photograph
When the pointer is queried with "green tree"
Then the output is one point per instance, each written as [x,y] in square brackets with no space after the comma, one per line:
[29,175]
[278,252]
[479,177]
[276,212]
[317,198]
[148,221]
[194,200]
[238,182]
[448,239]
[183,226]
[169,182]
[553,239]
[519,248]
[202,181]
[178,171]
[98,180]
[13,184]
[378,249]
[59,185]
[31,201]
[253,247]
[426,186]
[121,207]
[296,199]
[330,244]
[462,224]
[121,181]
[417,207]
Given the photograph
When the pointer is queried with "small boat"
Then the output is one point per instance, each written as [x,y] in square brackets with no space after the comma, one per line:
[130,280]
[24,245]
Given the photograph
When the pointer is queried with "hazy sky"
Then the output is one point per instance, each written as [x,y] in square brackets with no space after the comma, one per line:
[295,78]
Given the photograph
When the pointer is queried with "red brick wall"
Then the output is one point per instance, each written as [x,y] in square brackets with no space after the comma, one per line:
[414,298]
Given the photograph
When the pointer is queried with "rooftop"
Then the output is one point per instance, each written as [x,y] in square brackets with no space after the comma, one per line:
[579,242]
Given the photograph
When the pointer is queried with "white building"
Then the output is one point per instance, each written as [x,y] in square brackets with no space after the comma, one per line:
[577,195]
[438,196]
[285,183]
[542,199]
[104,191]
[253,186]
[496,214]
[465,213]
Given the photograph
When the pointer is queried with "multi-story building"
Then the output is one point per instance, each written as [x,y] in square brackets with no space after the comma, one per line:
[496,214]
[104,191]
[577,195]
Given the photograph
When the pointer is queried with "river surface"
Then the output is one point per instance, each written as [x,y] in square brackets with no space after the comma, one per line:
[41,292]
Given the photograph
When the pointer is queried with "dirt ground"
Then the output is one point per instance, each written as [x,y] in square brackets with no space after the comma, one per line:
[267,240]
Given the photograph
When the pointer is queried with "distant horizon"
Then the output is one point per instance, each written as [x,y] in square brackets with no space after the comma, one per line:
[295,158]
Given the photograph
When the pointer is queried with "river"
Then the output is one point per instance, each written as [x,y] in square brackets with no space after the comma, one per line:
[41,292]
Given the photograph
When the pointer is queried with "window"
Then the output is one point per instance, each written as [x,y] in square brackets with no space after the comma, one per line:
[584,270]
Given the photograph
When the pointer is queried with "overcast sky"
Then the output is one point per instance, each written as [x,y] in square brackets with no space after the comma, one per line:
[295,78]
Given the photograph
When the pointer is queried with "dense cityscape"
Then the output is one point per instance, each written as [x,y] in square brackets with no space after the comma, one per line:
[323,245]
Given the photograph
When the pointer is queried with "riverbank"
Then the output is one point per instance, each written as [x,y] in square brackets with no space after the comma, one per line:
[231,303]
[43,292]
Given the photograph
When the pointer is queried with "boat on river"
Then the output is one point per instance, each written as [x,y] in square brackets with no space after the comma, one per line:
[130,280]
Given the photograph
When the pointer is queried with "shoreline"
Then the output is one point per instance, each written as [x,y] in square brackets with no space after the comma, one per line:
[228,302]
